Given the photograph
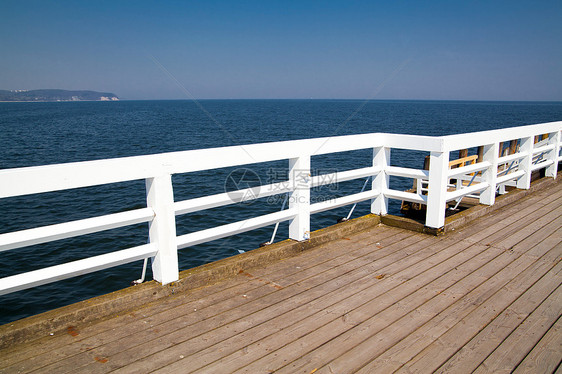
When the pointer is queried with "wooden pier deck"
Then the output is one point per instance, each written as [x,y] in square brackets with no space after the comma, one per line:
[485,298]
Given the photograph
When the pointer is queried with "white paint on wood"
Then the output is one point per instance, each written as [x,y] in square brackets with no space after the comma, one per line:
[525,164]
[156,170]
[343,201]
[25,238]
[230,229]
[436,204]
[75,268]
[343,176]
[490,174]
[554,141]
[407,172]
[162,229]
[381,159]
[300,179]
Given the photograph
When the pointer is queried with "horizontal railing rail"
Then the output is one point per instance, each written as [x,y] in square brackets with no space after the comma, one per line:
[25,238]
[481,179]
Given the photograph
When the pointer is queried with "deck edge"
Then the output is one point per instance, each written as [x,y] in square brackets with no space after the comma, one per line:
[465,217]
[461,219]
[123,301]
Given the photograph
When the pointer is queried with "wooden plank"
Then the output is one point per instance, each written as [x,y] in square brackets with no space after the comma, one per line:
[151,321]
[351,339]
[470,319]
[197,300]
[328,302]
[463,161]
[354,247]
[309,298]
[48,348]
[458,328]
[113,327]
[559,370]
[292,329]
[42,347]
[342,333]
[489,338]
[495,232]
[167,333]
[519,343]
[507,236]
[522,232]
[134,334]
[481,345]
[547,354]
[440,351]
[497,220]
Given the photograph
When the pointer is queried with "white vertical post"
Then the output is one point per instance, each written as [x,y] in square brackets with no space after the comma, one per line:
[437,189]
[490,174]
[300,179]
[526,162]
[554,139]
[381,158]
[162,229]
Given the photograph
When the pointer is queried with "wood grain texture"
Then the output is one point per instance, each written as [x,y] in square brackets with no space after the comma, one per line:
[486,297]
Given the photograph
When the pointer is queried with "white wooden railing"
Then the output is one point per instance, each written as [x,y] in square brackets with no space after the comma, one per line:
[157,171]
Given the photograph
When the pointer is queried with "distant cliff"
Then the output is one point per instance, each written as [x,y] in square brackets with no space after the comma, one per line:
[56,95]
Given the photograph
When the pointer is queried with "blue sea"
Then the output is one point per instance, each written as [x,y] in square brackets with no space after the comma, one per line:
[47,133]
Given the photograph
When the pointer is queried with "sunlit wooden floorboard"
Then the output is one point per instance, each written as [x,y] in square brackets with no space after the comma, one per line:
[486,298]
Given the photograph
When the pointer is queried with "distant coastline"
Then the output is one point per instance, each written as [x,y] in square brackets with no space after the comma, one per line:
[54,95]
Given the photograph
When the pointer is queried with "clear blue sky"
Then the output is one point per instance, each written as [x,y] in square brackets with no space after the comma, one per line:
[466,50]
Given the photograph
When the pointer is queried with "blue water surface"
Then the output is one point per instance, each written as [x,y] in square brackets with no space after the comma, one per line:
[34,134]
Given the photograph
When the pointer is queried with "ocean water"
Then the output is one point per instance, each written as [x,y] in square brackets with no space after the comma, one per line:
[47,133]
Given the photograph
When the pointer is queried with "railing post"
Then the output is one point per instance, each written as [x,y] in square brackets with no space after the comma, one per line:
[437,189]
[526,162]
[162,229]
[381,158]
[490,153]
[554,139]
[300,179]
